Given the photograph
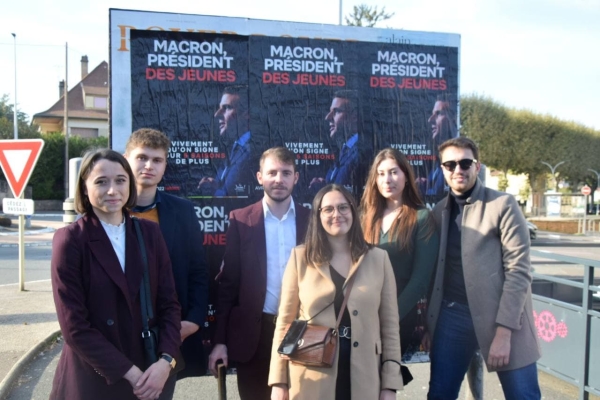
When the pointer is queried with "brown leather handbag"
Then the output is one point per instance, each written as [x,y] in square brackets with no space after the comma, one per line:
[318,344]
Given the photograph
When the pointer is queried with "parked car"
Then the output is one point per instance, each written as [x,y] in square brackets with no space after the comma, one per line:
[532,230]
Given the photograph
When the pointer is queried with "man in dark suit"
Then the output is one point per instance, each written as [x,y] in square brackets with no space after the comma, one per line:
[146,151]
[234,133]
[343,120]
[259,241]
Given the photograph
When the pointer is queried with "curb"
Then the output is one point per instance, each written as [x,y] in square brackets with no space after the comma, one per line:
[11,378]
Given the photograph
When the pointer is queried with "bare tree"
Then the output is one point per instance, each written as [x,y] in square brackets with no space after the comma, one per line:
[364,15]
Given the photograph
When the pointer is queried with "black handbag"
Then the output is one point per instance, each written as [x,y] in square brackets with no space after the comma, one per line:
[150,335]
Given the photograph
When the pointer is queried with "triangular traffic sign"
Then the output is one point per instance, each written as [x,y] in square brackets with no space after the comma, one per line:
[17,159]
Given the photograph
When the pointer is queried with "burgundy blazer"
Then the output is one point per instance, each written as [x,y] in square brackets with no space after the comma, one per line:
[98,307]
[243,284]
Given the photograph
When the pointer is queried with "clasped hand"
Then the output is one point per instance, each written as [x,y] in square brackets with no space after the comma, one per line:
[148,385]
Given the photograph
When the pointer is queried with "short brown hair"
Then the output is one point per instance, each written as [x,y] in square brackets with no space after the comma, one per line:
[318,251]
[283,154]
[82,202]
[147,137]
[462,143]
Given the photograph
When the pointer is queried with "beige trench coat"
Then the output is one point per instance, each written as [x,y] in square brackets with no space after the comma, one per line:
[497,270]
[375,329]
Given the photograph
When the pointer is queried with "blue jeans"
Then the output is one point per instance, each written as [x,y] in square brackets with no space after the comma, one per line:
[453,347]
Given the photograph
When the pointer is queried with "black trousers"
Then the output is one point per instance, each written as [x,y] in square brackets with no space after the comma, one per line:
[253,376]
[343,383]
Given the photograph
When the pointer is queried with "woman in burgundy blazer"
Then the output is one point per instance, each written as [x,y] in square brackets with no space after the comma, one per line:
[97,291]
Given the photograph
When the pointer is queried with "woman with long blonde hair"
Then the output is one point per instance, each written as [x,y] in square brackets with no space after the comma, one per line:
[395,219]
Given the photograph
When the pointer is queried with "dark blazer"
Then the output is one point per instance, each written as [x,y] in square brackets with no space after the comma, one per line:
[180,229]
[243,284]
[98,307]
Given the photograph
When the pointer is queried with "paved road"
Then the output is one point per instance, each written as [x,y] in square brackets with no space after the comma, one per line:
[38,249]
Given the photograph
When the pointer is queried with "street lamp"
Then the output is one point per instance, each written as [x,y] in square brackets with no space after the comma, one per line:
[16,128]
[597,177]
[553,169]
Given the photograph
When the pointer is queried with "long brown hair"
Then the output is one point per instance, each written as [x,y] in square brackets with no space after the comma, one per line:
[318,251]
[373,204]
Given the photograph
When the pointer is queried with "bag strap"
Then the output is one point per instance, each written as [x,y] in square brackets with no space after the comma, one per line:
[345,302]
[147,312]
[348,285]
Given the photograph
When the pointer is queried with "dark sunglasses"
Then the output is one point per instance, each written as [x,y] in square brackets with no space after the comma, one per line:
[465,164]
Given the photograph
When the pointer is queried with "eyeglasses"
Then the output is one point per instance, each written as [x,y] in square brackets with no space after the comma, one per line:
[343,209]
[465,164]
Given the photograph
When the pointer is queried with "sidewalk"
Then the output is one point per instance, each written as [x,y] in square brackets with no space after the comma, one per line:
[27,319]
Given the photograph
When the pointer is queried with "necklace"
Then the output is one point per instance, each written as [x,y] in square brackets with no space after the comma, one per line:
[394,210]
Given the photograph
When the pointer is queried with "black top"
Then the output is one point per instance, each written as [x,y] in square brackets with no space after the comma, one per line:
[338,281]
[455,279]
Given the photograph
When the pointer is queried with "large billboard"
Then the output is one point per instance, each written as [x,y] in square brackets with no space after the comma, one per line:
[226,89]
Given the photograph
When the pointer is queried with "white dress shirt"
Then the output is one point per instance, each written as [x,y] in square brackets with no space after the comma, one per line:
[280,236]
[116,234]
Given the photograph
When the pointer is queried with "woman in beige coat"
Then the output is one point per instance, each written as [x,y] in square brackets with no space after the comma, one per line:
[367,364]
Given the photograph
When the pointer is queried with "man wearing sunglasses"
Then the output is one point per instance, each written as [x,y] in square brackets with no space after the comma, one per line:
[481,297]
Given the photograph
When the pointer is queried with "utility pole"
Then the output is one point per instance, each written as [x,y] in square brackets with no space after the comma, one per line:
[66,120]
[15,114]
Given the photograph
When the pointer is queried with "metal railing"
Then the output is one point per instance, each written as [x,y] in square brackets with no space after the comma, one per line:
[589,226]
[558,358]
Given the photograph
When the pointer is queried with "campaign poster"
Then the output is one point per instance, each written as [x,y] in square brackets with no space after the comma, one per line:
[303,96]
[412,91]
[179,83]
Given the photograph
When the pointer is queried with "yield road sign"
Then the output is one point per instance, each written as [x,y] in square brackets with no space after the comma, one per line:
[17,159]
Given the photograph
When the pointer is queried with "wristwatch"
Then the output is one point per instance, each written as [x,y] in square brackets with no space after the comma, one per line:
[171,360]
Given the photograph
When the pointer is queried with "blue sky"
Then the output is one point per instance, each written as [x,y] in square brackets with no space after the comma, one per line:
[539,55]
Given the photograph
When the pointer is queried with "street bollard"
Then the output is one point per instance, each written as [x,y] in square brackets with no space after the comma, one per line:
[69,204]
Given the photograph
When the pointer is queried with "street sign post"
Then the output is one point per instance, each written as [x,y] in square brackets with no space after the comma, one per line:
[17,159]
[585,191]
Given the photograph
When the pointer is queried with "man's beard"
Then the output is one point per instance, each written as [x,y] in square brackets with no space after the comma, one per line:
[278,199]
